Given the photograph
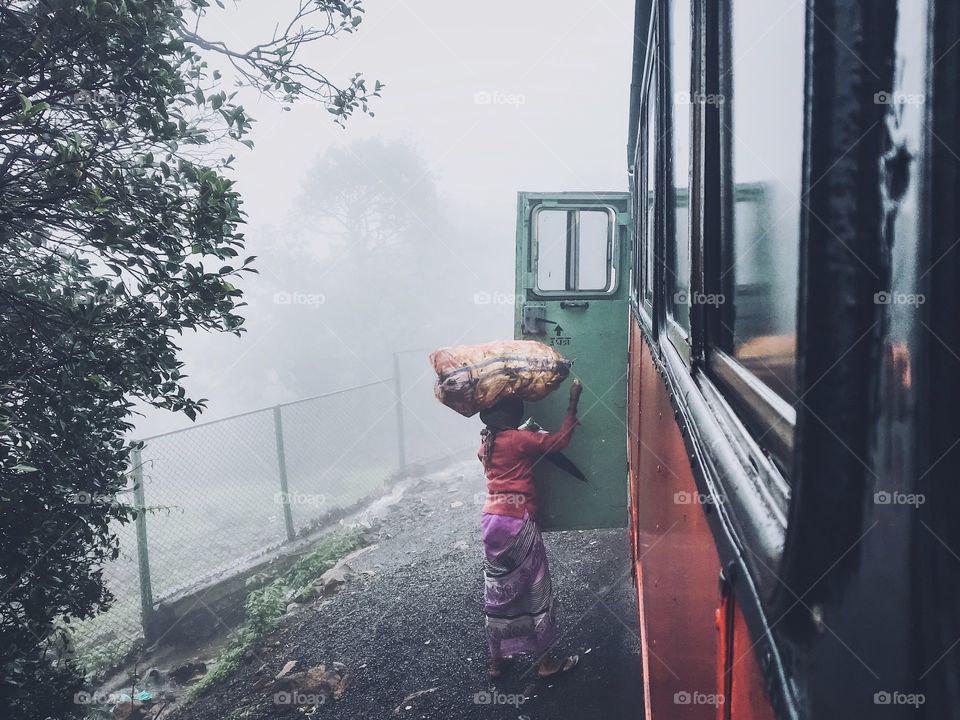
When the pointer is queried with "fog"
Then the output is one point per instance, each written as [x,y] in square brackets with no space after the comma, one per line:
[397,232]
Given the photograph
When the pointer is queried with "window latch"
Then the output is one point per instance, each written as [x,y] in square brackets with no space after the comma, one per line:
[534,320]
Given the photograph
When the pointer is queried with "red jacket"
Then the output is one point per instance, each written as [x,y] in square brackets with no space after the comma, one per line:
[510,489]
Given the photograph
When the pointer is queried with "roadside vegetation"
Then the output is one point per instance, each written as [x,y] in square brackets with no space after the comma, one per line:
[266,606]
[120,230]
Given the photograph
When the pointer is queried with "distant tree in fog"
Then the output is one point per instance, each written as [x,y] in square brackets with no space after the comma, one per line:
[119,230]
[396,265]
[371,199]
[374,256]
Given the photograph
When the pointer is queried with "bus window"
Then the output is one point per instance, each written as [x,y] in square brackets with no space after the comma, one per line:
[637,251]
[639,259]
[765,135]
[574,250]
[678,257]
[648,187]
[552,250]
[643,208]
[593,254]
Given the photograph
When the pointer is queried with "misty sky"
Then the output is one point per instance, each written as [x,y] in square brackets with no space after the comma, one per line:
[497,97]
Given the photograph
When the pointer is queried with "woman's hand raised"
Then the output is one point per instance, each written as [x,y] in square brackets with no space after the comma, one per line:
[575,389]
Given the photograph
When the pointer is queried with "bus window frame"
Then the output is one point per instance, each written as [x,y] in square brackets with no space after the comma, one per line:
[771,420]
[754,495]
[681,339]
[645,232]
[635,249]
[770,534]
[739,399]
[641,239]
[613,250]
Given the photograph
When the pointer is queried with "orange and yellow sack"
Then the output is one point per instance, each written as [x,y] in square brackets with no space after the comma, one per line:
[471,378]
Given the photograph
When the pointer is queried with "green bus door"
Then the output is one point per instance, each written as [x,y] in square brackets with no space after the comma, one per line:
[573,260]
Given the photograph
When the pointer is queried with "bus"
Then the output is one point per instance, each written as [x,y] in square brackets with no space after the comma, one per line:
[765,326]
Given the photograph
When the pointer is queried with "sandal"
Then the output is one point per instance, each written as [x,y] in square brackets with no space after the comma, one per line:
[495,669]
[568,663]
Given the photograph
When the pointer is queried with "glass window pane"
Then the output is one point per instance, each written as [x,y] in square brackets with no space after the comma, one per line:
[567,234]
[552,249]
[650,182]
[639,259]
[767,62]
[593,266]
[680,52]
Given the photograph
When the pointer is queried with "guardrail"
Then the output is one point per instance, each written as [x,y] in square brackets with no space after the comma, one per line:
[216,494]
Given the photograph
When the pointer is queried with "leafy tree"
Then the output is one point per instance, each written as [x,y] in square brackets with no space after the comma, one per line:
[120,230]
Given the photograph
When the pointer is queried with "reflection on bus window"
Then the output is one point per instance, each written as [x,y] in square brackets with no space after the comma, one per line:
[766,78]
[680,51]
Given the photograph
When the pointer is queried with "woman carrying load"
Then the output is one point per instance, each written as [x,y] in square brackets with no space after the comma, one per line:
[518,597]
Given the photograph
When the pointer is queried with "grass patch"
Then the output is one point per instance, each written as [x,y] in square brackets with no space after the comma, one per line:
[100,661]
[265,606]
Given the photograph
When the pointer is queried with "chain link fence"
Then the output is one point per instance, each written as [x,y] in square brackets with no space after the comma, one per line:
[221,493]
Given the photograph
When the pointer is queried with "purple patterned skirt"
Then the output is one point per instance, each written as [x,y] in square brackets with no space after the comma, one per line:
[517,596]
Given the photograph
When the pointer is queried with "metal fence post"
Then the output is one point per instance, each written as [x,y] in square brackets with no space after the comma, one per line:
[143,555]
[401,436]
[282,463]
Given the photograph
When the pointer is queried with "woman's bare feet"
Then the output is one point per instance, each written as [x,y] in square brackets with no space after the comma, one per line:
[551,666]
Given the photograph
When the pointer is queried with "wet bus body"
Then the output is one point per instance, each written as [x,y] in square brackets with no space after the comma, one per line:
[766,327]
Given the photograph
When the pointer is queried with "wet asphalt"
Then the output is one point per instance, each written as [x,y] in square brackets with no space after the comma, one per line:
[410,623]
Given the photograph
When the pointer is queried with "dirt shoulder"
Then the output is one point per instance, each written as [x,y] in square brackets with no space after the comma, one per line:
[407,626]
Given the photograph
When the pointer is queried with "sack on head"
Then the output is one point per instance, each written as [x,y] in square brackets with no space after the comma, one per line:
[471,378]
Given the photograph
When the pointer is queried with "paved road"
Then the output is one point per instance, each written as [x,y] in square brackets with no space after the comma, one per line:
[413,622]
